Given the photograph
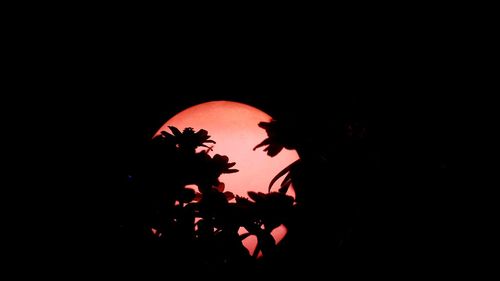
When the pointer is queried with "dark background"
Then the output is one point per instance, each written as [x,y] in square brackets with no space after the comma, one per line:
[111,87]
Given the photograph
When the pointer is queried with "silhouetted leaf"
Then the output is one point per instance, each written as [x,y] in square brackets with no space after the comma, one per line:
[287,178]
[256,196]
[273,150]
[253,195]
[222,158]
[229,195]
[263,143]
[287,181]
[284,188]
[257,251]
[266,242]
[265,125]
[175,131]
[244,236]
[283,172]
[166,134]
[221,187]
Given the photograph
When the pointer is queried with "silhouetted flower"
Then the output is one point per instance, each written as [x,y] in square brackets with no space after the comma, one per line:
[222,165]
[279,136]
[272,208]
[205,218]
[187,139]
[207,170]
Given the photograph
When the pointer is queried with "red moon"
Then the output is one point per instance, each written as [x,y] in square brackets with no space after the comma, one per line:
[234,128]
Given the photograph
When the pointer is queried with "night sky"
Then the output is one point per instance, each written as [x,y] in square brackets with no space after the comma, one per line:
[405,90]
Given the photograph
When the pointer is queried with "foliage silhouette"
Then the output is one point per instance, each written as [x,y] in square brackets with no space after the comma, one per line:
[339,220]
[186,211]
[206,219]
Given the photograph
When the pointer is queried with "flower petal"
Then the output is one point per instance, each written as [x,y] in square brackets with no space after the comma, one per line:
[176,131]
[274,150]
[229,195]
[220,187]
[263,143]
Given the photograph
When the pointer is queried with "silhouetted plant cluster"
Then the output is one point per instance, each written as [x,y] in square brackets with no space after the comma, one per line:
[180,206]
[205,218]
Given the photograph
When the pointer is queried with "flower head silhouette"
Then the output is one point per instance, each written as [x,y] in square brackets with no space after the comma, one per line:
[210,169]
[278,137]
[188,139]
[222,165]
